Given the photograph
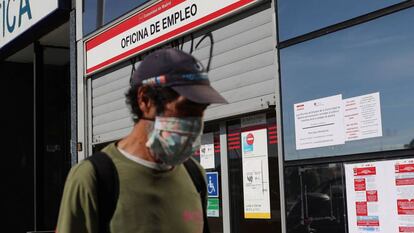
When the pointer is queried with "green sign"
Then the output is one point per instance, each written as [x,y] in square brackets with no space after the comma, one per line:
[213,207]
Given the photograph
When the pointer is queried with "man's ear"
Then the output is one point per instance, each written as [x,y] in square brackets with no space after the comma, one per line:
[144,102]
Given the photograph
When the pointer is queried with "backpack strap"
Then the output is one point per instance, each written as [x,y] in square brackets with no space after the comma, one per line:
[107,184]
[200,184]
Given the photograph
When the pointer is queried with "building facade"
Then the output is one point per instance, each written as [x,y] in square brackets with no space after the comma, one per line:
[318,133]
[319,93]
[35,67]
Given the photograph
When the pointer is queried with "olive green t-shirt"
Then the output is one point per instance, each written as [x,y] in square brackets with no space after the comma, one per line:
[150,201]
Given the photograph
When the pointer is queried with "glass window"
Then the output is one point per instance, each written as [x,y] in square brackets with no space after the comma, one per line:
[239,222]
[315,199]
[376,56]
[115,9]
[90,11]
[112,9]
[297,17]
[210,150]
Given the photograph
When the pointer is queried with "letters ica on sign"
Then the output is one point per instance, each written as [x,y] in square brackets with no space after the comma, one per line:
[13,14]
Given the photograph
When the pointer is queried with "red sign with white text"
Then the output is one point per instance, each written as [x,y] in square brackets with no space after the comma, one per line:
[364,171]
[360,184]
[405,207]
[153,26]
[361,209]
[372,196]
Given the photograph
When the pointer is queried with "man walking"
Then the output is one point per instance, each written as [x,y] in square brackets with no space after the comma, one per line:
[167,97]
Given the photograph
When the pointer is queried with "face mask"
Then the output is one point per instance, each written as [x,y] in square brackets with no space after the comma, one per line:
[174,140]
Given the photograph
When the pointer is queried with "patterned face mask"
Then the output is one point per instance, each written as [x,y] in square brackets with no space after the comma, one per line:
[174,140]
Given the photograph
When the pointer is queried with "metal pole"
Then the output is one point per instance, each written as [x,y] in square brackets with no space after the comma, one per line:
[73,87]
[225,192]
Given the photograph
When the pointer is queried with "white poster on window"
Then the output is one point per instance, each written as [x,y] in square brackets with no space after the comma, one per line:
[319,123]
[404,182]
[380,196]
[255,175]
[363,117]
[207,156]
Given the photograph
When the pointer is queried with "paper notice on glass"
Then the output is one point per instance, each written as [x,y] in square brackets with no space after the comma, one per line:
[319,123]
[362,117]
[404,182]
[207,156]
[255,175]
[380,196]
[364,208]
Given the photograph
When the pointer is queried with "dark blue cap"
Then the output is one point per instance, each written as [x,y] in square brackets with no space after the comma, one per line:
[181,72]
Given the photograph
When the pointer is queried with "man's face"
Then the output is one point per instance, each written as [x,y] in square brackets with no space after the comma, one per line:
[182,107]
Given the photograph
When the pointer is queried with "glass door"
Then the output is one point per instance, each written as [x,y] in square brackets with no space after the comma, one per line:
[253,174]
[209,157]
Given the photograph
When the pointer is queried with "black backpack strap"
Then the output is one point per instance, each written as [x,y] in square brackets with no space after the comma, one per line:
[107,186]
[200,184]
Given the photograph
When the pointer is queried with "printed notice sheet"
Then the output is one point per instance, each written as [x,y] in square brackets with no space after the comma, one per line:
[207,156]
[362,117]
[319,123]
[404,182]
[380,196]
[255,174]
[207,159]
[333,121]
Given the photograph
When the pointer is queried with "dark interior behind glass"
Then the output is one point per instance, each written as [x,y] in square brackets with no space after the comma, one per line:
[315,199]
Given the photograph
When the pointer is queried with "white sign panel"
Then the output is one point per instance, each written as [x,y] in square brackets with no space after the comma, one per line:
[207,156]
[152,26]
[17,16]
[255,174]
[319,123]
[362,117]
[380,196]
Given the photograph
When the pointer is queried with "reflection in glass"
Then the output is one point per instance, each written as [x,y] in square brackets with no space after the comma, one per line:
[110,9]
[377,56]
[89,16]
[297,17]
[114,8]
[315,199]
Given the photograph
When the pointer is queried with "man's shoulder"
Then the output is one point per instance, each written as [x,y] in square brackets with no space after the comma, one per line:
[203,172]
[111,150]
[82,174]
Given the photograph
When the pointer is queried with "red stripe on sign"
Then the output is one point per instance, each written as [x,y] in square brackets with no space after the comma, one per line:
[216,151]
[233,139]
[132,22]
[238,139]
[272,132]
[273,142]
[171,34]
[234,143]
[234,147]
[233,134]
[272,127]
[217,147]
[272,137]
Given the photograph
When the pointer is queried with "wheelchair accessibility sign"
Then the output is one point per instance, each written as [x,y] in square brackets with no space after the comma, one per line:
[212,184]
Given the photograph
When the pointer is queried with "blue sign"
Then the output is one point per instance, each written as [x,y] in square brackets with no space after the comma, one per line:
[212,184]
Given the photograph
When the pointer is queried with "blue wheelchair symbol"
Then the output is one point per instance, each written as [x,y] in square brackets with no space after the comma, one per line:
[212,184]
